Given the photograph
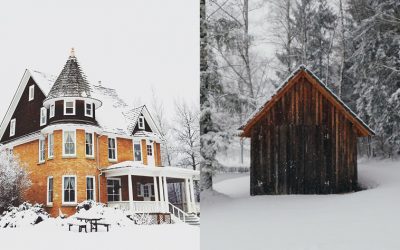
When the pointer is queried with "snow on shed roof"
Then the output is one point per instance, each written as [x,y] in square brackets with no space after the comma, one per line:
[302,67]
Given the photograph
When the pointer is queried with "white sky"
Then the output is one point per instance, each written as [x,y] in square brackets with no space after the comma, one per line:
[132,46]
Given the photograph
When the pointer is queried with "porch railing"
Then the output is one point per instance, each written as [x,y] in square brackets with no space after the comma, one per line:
[141,206]
[177,212]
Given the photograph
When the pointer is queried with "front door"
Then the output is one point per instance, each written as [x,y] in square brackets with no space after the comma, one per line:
[146,192]
[150,154]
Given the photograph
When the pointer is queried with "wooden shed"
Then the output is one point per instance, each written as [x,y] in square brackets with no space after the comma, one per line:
[303,140]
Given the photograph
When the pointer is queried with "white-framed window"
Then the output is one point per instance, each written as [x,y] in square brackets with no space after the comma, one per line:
[88,109]
[69,107]
[141,122]
[149,149]
[69,143]
[137,151]
[90,188]
[112,149]
[114,189]
[43,116]
[50,145]
[42,150]
[50,190]
[52,110]
[89,144]
[69,189]
[31,92]
[145,190]
[12,127]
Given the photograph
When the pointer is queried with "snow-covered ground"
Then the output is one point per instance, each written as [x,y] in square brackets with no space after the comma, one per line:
[369,219]
[50,235]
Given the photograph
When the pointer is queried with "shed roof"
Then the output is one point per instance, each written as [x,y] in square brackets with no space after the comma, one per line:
[302,70]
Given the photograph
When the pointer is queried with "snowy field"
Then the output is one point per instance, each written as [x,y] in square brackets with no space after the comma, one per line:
[50,235]
[370,219]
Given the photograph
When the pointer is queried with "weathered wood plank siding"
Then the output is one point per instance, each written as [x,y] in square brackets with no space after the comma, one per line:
[303,145]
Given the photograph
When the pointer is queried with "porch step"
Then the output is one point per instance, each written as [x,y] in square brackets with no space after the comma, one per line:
[192,219]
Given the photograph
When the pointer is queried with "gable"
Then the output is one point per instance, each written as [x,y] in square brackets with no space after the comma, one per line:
[304,99]
[147,127]
[26,113]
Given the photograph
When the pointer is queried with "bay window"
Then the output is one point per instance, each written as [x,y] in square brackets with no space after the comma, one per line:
[69,107]
[90,194]
[69,189]
[42,150]
[50,142]
[69,143]
[50,190]
[89,144]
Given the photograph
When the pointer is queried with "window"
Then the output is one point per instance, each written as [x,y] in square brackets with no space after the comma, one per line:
[52,110]
[89,144]
[69,107]
[50,144]
[50,190]
[90,188]
[113,189]
[43,116]
[145,190]
[149,150]
[69,189]
[137,151]
[69,140]
[31,92]
[112,149]
[41,151]
[141,122]
[89,109]
[12,127]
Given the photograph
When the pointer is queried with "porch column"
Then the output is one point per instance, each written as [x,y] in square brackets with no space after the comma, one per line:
[130,191]
[192,195]
[161,190]
[187,192]
[155,188]
[166,192]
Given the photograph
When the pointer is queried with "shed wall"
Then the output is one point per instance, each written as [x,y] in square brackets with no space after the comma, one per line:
[303,145]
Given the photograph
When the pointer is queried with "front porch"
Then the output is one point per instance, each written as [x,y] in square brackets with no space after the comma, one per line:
[143,189]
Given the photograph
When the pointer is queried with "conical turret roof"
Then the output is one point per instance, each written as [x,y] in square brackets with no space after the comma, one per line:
[71,82]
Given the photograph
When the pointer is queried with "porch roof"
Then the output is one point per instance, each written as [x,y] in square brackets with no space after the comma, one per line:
[138,168]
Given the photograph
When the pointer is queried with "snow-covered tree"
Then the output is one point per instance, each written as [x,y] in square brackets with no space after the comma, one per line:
[14,179]
[375,69]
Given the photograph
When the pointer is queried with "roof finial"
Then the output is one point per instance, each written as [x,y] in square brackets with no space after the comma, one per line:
[72,54]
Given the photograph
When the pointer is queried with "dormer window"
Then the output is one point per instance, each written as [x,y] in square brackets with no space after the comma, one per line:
[141,122]
[31,92]
[69,107]
[52,110]
[12,127]
[43,116]
[89,109]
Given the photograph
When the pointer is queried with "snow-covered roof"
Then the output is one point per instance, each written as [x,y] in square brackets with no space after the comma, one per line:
[71,82]
[302,67]
[114,116]
[44,81]
[135,167]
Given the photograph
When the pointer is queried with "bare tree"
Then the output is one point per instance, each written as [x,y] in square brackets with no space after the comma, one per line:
[167,148]
[187,132]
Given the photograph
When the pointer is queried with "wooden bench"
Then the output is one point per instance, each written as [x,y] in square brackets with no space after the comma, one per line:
[80,225]
[107,225]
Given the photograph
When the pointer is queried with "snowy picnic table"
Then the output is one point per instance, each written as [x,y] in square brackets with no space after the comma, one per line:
[92,220]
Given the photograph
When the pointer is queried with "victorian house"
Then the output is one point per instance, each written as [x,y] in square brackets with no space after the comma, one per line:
[83,142]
